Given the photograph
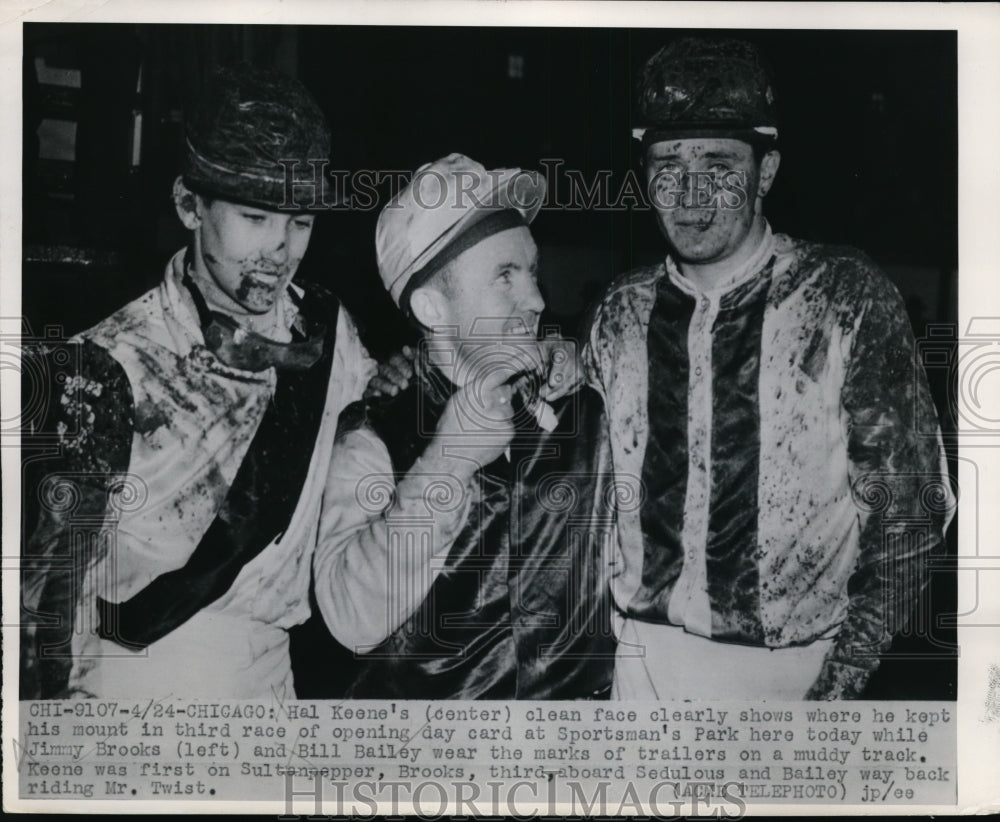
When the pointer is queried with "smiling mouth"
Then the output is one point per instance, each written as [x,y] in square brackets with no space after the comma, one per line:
[519,328]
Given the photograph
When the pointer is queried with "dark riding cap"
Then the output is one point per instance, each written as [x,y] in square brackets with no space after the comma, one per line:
[699,87]
[252,136]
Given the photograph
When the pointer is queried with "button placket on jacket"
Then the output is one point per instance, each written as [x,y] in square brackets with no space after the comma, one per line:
[689,604]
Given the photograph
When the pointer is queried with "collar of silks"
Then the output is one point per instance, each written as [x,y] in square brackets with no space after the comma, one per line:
[246,350]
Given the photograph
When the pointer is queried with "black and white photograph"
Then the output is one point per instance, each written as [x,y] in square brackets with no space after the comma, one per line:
[407,405]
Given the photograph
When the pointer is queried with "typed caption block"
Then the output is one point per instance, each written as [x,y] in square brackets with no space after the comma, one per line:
[593,757]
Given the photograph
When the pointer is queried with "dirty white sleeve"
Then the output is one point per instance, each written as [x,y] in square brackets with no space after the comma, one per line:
[351,362]
[589,361]
[382,545]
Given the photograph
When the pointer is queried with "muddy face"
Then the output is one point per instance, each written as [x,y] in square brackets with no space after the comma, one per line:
[706,193]
[245,256]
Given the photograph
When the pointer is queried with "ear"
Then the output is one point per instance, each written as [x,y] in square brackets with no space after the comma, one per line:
[427,305]
[768,171]
[188,205]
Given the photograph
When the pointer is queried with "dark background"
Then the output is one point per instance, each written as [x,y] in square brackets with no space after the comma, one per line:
[869,146]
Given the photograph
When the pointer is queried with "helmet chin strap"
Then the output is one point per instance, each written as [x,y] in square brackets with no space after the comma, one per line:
[246,350]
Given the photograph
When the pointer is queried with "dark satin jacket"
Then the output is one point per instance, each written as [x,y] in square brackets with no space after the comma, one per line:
[521,609]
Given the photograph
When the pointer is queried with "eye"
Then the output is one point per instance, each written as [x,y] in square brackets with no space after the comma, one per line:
[669,174]
[253,217]
[505,276]
[719,168]
[303,223]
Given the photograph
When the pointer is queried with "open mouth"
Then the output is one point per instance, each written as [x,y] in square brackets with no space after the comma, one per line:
[519,328]
[699,227]
[695,222]
[269,278]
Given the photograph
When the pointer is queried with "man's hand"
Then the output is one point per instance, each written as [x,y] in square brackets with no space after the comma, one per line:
[393,375]
[558,362]
[477,424]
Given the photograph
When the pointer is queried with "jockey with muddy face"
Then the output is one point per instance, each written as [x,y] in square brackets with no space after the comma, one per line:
[213,401]
[765,390]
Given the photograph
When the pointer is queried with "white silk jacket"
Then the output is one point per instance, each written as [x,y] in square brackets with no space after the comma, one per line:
[794,483]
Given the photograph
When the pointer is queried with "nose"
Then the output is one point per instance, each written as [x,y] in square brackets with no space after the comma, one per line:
[275,248]
[531,299]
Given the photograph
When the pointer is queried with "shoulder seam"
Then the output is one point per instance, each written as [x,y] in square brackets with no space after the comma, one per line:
[632,279]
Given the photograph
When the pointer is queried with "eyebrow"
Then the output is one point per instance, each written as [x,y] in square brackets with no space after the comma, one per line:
[670,155]
[708,155]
